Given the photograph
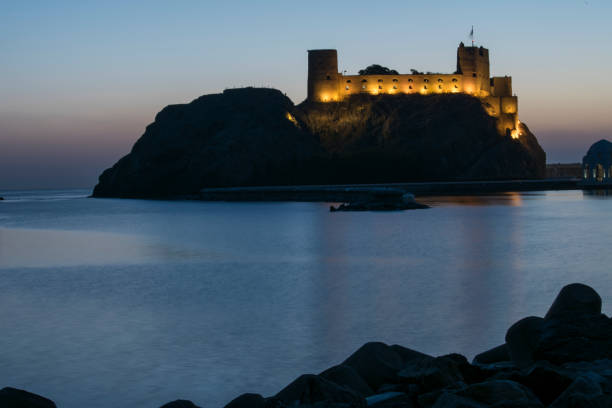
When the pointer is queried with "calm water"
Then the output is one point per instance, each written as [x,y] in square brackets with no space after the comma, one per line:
[126,303]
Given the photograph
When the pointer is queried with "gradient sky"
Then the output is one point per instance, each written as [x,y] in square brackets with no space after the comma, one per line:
[80,80]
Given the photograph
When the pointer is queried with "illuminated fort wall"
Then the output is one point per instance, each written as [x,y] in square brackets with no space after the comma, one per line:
[326,84]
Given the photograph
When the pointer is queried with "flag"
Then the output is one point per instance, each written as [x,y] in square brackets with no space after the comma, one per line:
[472,33]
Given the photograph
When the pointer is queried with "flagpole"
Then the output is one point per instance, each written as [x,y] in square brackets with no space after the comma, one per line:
[472,35]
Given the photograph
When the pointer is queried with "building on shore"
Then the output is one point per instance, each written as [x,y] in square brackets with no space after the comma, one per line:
[597,164]
[472,77]
[564,170]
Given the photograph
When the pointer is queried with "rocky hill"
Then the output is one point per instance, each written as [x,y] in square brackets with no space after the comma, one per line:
[254,136]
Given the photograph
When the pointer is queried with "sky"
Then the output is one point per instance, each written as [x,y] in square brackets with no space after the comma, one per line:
[80,80]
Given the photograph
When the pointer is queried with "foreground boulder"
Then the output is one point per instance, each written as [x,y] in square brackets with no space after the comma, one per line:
[501,393]
[14,398]
[346,376]
[310,389]
[575,299]
[378,363]
[523,338]
[562,360]
[583,392]
[180,404]
[247,401]
[254,137]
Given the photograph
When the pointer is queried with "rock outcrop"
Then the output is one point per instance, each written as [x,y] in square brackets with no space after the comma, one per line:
[250,136]
[397,138]
[561,360]
[240,137]
[14,398]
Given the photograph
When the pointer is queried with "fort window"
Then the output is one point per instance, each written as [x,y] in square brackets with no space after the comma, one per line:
[409,79]
[364,80]
[379,86]
[410,87]
[380,80]
[439,86]
[394,86]
[456,86]
[363,87]
[348,81]
[328,77]
[440,80]
[425,87]
[454,79]
[474,75]
[394,79]
[347,88]
[426,80]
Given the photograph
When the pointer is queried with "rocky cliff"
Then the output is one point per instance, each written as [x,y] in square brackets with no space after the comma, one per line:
[256,136]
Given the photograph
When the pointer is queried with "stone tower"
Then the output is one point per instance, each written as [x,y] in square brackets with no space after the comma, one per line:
[473,64]
[323,77]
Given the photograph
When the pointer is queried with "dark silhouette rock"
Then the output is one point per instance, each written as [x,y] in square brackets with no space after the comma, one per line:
[522,339]
[346,376]
[239,137]
[500,393]
[545,380]
[583,392]
[247,401]
[449,400]
[391,400]
[396,138]
[562,361]
[576,298]
[251,137]
[180,404]
[15,398]
[378,363]
[494,355]
[433,373]
[310,389]
[582,338]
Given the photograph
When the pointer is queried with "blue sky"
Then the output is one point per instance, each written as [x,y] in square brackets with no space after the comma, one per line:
[79,81]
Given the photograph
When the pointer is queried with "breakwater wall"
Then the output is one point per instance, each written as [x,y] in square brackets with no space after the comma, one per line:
[355,192]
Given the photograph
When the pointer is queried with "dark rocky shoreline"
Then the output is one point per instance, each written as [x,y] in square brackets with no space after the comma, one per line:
[561,360]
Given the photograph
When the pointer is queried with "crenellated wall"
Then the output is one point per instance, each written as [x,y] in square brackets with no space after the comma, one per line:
[326,84]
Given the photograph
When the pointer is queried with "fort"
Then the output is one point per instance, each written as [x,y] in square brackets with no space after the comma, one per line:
[472,77]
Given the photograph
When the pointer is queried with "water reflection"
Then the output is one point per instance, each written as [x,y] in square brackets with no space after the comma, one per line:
[513,199]
[167,291]
[597,193]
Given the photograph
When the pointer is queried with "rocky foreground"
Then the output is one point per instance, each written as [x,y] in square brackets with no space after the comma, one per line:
[561,360]
[258,137]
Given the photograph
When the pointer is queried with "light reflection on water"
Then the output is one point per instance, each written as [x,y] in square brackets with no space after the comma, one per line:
[135,303]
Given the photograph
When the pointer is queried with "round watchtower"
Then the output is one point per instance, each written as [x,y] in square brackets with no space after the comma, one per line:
[323,75]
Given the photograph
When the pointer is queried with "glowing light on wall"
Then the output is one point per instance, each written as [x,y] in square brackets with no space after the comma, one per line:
[292,119]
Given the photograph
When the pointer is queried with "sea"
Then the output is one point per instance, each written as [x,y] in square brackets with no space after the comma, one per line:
[134,303]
